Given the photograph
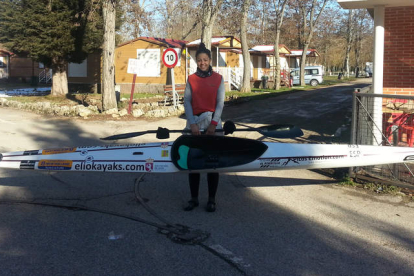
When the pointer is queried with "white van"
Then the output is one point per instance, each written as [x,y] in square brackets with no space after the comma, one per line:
[313,75]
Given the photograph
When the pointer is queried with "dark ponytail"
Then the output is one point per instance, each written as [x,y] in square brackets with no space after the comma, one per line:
[203,50]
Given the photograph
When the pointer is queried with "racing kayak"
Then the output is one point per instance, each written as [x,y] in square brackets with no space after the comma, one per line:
[204,154]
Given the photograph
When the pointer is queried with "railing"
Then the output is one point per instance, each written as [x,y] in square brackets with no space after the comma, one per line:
[45,76]
[387,120]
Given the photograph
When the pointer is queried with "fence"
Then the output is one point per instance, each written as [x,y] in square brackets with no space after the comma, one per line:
[387,120]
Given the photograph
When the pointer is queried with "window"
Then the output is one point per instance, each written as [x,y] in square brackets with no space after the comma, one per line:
[311,72]
[78,70]
[294,73]
[2,62]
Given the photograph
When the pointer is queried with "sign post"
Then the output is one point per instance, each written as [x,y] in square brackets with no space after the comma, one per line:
[170,59]
[132,69]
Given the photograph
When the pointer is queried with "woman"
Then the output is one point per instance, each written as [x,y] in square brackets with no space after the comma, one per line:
[203,103]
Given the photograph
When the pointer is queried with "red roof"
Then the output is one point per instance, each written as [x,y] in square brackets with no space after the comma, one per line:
[174,43]
[6,52]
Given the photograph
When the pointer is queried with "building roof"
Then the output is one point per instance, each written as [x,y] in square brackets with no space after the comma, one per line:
[4,51]
[229,42]
[370,4]
[309,53]
[269,49]
[173,43]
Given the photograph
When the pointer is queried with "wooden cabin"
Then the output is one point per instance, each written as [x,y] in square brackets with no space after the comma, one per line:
[82,77]
[153,75]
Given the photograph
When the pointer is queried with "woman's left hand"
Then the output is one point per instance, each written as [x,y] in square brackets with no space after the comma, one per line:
[211,130]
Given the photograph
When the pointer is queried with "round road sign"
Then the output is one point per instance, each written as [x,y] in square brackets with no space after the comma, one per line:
[170,58]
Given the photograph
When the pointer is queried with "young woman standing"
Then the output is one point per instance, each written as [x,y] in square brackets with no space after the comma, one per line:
[203,103]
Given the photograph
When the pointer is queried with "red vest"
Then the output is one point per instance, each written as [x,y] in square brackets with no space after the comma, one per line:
[204,92]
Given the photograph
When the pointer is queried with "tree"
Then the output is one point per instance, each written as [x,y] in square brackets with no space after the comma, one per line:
[362,19]
[245,47]
[108,58]
[309,12]
[349,41]
[208,17]
[52,32]
[280,11]
[137,18]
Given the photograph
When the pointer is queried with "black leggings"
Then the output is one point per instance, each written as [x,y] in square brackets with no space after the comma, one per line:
[212,180]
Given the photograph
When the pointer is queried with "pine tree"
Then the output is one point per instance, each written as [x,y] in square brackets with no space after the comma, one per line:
[53,32]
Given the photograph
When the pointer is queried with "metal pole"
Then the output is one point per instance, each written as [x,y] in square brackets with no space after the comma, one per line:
[132,93]
[173,87]
[353,124]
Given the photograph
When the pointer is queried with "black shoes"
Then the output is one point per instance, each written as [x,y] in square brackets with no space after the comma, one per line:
[211,206]
[191,205]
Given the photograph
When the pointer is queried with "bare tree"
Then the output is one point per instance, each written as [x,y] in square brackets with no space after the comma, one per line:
[209,15]
[280,6]
[361,24]
[309,13]
[137,18]
[349,41]
[245,47]
[108,67]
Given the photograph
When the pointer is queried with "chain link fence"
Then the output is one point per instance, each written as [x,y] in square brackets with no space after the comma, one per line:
[383,120]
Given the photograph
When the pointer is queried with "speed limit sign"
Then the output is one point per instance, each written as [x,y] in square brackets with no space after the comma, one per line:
[170,58]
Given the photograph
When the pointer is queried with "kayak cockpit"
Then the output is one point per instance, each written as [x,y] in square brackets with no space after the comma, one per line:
[213,152]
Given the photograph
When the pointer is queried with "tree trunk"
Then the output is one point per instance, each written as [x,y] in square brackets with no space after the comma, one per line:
[209,15]
[303,64]
[59,78]
[280,12]
[245,47]
[349,40]
[277,61]
[108,67]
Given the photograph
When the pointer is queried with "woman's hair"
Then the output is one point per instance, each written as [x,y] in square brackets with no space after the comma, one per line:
[203,50]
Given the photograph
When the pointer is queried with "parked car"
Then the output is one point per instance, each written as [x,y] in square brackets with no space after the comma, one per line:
[313,75]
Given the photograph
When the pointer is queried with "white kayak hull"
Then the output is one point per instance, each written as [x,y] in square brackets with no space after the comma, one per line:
[159,158]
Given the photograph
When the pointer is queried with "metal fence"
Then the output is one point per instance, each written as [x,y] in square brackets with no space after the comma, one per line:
[387,120]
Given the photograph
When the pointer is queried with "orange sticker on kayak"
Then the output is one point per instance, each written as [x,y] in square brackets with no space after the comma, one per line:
[57,151]
[55,165]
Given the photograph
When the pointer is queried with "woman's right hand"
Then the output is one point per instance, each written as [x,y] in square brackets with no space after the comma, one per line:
[195,130]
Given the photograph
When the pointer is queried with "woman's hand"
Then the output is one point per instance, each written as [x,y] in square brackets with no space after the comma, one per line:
[211,130]
[195,130]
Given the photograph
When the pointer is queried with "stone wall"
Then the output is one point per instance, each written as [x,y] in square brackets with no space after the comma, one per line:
[146,110]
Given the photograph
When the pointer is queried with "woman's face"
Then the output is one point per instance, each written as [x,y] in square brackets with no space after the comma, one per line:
[203,61]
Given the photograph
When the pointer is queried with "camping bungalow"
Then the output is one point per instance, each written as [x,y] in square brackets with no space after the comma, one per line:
[85,76]
[153,75]
[312,57]
[225,51]
[264,54]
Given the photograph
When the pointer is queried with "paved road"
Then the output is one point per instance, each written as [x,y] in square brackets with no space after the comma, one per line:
[268,223]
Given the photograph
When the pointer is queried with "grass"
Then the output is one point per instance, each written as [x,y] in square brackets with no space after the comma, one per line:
[372,187]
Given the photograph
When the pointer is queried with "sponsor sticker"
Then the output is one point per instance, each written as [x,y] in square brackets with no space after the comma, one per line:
[89,159]
[164,145]
[149,165]
[58,165]
[164,153]
[57,151]
[160,167]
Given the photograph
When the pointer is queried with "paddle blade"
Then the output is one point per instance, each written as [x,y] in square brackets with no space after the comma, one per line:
[280,131]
